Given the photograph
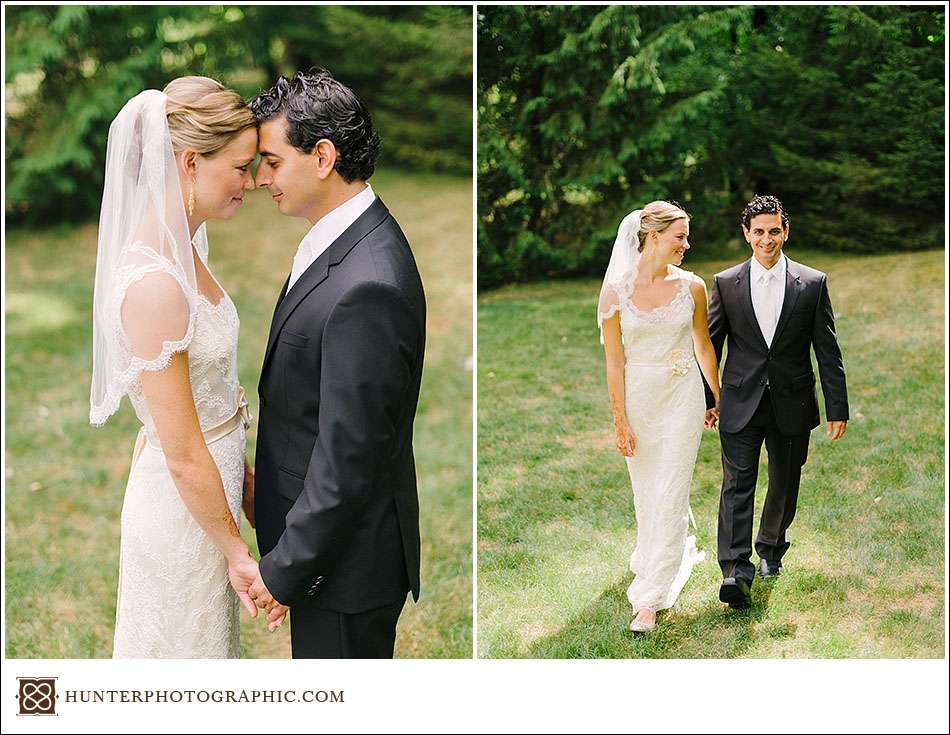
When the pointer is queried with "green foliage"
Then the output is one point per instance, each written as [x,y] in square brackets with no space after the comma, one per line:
[587,112]
[71,68]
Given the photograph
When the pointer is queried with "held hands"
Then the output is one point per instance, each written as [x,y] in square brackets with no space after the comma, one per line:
[711,418]
[245,578]
[626,440]
[262,597]
[836,429]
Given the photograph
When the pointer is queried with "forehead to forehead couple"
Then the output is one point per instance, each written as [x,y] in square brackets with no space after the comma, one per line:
[347,339]
[315,138]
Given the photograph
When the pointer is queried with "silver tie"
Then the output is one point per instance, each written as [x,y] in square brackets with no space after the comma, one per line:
[768,282]
[300,263]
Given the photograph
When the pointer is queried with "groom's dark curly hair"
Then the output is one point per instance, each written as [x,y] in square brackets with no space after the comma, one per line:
[763,205]
[318,106]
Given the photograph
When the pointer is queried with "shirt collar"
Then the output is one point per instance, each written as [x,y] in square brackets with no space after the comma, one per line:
[331,225]
[778,269]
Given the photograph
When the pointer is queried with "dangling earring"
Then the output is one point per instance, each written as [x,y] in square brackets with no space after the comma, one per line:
[191,199]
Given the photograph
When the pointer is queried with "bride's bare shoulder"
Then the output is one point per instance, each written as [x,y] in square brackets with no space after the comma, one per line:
[696,285]
[688,276]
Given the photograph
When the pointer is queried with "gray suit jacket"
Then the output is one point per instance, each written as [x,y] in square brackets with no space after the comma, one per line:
[807,322]
[336,502]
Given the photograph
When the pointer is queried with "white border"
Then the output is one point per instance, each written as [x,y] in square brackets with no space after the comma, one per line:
[493,695]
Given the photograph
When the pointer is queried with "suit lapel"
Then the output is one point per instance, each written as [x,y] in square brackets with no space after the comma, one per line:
[744,286]
[793,287]
[320,268]
[273,322]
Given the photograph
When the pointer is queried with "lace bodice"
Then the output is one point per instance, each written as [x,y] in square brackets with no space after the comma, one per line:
[212,367]
[662,335]
[174,597]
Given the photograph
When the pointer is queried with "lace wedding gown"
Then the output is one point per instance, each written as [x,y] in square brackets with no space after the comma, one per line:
[665,405]
[174,598]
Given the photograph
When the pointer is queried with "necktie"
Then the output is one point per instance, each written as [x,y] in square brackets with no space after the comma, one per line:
[301,261]
[768,293]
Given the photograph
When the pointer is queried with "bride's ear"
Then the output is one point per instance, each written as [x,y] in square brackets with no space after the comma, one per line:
[188,163]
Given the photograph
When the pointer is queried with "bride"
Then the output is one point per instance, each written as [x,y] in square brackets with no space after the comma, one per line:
[652,317]
[165,333]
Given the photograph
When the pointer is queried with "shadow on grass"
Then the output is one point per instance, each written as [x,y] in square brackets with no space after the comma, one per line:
[601,630]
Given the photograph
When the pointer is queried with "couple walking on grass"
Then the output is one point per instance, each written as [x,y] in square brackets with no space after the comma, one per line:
[663,345]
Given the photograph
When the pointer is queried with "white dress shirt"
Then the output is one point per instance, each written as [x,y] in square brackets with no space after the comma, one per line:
[768,295]
[327,229]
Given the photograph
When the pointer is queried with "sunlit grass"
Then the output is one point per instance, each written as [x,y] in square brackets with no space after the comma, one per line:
[865,574]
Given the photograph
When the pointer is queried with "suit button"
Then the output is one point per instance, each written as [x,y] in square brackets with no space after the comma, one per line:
[263,401]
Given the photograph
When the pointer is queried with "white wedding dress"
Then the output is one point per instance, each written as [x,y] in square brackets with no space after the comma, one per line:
[174,597]
[665,405]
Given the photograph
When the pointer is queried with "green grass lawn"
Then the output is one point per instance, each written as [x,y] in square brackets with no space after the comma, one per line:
[65,480]
[865,574]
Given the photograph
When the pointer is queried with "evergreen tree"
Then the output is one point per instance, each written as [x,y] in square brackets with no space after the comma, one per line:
[587,112]
[71,68]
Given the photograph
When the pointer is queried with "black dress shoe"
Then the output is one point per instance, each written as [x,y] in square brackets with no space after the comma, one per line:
[735,592]
[769,568]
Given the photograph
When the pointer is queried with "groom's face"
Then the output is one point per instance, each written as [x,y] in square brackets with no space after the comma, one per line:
[288,173]
[766,236]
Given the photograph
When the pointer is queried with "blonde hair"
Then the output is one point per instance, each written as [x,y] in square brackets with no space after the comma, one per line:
[656,217]
[204,115]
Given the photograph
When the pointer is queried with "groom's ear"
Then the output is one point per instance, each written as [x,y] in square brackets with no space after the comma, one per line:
[324,155]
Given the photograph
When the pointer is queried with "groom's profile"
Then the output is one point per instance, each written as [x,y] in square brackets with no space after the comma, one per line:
[336,506]
[774,312]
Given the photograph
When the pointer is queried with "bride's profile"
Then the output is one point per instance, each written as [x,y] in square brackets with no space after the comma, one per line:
[165,334]
[652,316]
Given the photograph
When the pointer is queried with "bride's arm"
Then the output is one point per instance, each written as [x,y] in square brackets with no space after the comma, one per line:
[193,470]
[155,316]
[702,344]
[613,348]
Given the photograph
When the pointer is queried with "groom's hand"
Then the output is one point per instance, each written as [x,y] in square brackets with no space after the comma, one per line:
[275,615]
[259,593]
[265,600]
[836,429]
[712,417]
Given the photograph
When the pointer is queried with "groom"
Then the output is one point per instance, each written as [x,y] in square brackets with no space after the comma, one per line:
[337,512]
[774,311]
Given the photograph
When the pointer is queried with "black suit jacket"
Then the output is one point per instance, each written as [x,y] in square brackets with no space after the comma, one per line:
[807,321]
[336,505]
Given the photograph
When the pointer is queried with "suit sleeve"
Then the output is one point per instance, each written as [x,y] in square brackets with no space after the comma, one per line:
[368,351]
[828,354]
[718,329]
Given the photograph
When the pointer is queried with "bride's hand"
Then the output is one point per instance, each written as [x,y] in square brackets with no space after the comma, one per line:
[242,571]
[712,418]
[626,441]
